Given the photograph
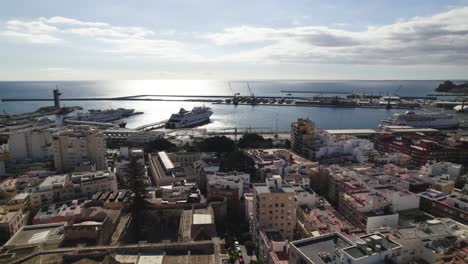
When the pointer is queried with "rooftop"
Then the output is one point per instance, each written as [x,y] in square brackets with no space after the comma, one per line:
[263,188]
[202,219]
[369,245]
[36,234]
[322,249]
[6,218]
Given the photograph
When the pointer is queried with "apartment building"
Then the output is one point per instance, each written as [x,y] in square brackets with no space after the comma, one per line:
[302,137]
[10,223]
[78,144]
[64,187]
[274,207]
[30,143]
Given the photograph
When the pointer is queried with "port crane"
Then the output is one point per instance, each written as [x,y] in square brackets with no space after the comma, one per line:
[235,100]
[395,93]
[252,96]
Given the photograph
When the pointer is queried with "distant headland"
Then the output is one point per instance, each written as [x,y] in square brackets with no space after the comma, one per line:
[450,87]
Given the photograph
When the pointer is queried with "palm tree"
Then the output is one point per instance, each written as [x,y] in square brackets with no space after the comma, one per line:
[137,185]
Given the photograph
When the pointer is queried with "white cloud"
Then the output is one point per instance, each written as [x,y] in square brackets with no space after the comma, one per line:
[131,41]
[437,39]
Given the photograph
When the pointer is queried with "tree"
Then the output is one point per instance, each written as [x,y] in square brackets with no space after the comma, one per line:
[250,247]
[237,161]
[245,237]
[137,186]
[159,145]
[252,140]
[218,144]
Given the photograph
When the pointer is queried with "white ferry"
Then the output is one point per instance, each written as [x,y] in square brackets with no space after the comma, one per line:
[184,118]
[103,115]
[422,120]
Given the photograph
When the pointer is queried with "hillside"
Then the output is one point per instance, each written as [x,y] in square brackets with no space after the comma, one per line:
[450,87]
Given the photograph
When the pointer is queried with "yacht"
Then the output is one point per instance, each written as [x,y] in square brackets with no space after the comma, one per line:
[184,118]
[422,120]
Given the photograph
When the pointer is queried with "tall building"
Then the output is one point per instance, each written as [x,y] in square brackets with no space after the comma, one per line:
[302,137]
[274,207]
[76,145]
[30,143]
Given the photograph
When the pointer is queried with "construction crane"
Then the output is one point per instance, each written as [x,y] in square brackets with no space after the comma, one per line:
[232,91]
[252,96]
[250,91]
[395,93]
[235,100]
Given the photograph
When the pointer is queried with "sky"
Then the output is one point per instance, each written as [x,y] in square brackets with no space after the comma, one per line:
[236,39]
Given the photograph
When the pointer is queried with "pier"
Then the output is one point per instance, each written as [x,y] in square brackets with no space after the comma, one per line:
[349,101]
[152,126]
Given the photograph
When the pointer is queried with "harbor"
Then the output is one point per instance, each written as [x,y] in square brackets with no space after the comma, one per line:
[350,100]
[376,107]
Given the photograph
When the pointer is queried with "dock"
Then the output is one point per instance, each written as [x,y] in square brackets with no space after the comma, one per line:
[98,124]
[152,126]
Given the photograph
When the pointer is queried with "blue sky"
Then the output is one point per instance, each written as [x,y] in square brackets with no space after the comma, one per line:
[307,39]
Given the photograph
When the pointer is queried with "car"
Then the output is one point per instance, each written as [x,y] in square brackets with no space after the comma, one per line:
[236,243]
[238,248]
[241,261]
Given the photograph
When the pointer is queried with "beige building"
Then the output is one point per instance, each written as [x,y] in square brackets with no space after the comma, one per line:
[274,208]
[30,143]
[76,145]
[10,223]
[302,137]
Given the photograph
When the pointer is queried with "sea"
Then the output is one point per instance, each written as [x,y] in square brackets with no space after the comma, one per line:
[224,116]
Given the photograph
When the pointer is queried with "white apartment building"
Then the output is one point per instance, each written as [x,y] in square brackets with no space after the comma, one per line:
[330,146]
[78,144]
[231,176]
[226,183]
[443,168]
[65,187]
[94,182]
[53,189]
[30,143]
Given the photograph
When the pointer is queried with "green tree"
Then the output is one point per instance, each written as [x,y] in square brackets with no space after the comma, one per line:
[250,247]
[159,145]
[245,237]
[237,161]
[218,144]
[137,186]
[252,140]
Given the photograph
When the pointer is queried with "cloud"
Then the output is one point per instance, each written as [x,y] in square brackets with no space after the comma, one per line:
[130,41]
[438,39]
[35,32]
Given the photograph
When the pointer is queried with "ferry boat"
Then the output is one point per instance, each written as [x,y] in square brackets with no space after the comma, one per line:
[461,108]
[184,118]
[104,115]
[422,120]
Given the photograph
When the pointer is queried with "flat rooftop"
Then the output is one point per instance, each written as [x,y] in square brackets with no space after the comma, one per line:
[202,219]
[314,247]
[36,234]
[357,252]
[263,188]
[352,131]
